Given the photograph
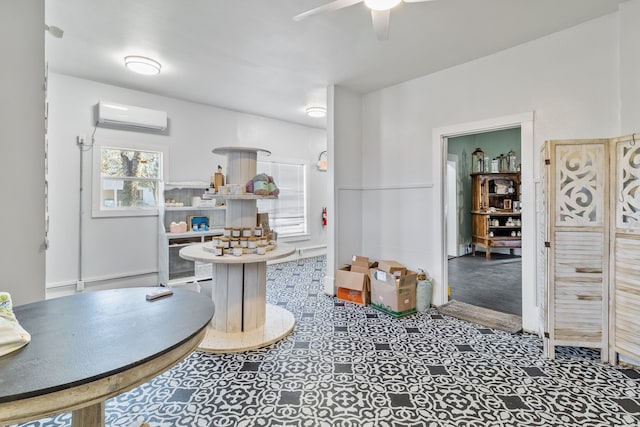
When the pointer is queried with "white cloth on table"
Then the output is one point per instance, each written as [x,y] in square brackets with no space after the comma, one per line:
[12,335]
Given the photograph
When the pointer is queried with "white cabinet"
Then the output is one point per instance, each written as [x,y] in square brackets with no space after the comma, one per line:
[174,270]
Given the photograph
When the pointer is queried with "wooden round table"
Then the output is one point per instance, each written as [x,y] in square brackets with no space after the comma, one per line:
[89,347]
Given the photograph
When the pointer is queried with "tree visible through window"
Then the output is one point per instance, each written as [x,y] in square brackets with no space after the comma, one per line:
[288,213]
[129,178]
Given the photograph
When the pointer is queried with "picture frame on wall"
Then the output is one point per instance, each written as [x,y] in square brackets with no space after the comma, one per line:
[506,204]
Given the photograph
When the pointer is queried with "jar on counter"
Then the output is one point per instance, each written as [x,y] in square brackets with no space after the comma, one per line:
[252,242]
[247,232]
[244,242]
[227,232]
[257,232]
[235,242]
[219,250]
[225,242]
[236,232]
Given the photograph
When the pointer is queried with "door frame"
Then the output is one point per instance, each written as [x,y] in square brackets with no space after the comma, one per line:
[440,141]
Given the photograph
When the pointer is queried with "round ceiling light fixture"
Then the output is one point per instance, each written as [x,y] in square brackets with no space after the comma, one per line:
[381,4]
[316,111]
[142,65]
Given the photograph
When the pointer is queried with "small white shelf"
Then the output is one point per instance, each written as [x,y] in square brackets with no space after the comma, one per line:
[195,185]
[246,196]
[187,234]
[194,208]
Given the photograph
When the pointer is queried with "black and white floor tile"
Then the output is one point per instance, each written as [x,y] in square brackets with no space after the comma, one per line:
[345,365]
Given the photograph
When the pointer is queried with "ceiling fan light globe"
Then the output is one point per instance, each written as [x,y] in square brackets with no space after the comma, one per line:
[381,4]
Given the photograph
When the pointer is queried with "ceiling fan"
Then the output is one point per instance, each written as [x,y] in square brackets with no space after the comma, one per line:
[380,12]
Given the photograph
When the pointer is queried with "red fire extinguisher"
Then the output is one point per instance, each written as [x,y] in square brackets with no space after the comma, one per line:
[324,217]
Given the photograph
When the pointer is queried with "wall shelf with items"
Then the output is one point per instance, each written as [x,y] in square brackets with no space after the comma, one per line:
[183,203]
[496,219]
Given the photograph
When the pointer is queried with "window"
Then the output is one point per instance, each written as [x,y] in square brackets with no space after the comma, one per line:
[127,180]
[288,213]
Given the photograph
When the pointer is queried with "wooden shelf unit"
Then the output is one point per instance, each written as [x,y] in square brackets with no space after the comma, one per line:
[493,198]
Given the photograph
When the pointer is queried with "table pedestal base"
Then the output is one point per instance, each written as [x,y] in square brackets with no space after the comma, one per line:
[279,323]
[89,416]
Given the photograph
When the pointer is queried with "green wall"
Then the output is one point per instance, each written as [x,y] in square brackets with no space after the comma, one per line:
[493,144]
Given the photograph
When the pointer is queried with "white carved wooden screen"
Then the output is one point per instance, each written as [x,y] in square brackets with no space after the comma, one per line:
[576,300]
[625,242]
[542,216]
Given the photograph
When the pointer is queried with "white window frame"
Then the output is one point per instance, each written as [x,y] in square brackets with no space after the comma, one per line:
[305,166]
[97,210]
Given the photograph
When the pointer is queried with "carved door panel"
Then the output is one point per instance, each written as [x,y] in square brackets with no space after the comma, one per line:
[576,295]
[625,243]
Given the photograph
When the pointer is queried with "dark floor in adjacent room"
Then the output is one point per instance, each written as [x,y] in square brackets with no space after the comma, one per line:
[494,283]
[347,366]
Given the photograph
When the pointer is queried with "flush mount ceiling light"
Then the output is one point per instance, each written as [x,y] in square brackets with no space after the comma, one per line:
[142,65]
[381,4]
[316,111]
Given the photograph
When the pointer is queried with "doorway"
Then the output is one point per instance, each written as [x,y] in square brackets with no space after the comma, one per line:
[493,281]
[440,137]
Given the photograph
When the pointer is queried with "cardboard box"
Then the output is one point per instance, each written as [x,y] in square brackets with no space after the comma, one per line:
[361,264]
[262,220]
[352,281]
[392,266]
[218,181]
[395,296]
[352,286]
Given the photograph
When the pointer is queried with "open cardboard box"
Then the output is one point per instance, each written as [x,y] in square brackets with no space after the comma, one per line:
[392,267]
[393,295]
[352,281]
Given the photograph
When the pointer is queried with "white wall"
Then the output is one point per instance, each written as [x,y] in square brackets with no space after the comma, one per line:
[630,67]
[22,136]
[114,247]
[345,164]
[569,79]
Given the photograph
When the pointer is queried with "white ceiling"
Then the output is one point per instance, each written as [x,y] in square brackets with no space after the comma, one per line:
[249,55]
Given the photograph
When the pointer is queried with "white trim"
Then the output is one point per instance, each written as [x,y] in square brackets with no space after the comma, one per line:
[387,187]
[295,237]
[525,122]
[116,276]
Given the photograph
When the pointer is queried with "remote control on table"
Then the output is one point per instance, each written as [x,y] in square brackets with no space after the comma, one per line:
[157,293]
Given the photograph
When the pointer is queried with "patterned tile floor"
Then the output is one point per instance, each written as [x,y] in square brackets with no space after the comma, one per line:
[348,366]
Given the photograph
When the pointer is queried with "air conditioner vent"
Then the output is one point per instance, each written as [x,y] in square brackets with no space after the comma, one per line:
[112,114]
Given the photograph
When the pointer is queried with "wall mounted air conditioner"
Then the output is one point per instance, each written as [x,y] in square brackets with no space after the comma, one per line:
[112,114]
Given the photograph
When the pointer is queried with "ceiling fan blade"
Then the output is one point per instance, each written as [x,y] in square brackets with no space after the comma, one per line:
[329,7]
[380,20]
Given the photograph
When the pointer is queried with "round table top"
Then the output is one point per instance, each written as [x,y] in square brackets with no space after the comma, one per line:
[227,150]
[197,252]
[85,337]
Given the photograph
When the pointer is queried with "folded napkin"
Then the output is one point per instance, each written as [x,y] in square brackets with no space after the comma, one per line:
[12,335]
